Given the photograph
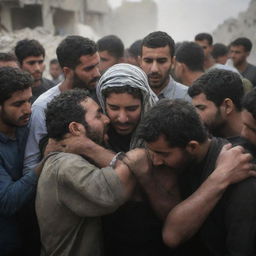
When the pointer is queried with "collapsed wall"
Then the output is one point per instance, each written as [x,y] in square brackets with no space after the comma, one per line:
[49,41]
[243,26]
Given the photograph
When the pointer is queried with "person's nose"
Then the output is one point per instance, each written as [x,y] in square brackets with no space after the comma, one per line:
[157,159]
[154,67]
[27,108]
[122,116]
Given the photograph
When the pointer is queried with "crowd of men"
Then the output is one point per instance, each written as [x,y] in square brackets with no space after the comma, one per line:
[142,151]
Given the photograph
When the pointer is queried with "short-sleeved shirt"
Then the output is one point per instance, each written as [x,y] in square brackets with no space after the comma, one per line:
[72,194]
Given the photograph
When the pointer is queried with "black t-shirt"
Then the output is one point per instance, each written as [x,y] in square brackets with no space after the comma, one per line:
[230,229]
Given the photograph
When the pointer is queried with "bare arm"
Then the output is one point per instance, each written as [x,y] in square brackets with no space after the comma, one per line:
[82,146]
[188,216]
[158,183]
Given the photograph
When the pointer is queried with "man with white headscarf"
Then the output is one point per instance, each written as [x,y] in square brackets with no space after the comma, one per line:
[125,95]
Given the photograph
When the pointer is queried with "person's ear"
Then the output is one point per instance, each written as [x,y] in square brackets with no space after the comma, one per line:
[76,129]
[68,73]
[228,106]
[193,147]
[140,61]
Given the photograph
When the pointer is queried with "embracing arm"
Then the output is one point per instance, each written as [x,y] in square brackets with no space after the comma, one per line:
[82,146]
[188,216]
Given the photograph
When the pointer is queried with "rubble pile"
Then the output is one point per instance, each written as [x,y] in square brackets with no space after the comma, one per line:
[243,26]
[49,41]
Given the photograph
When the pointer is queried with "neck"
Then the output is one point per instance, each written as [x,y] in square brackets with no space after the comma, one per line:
[204,147]
[208,62]
[66,85]
[190,77]
[7,130]
[233,126]
[159,89]
[37,83]
[241,67]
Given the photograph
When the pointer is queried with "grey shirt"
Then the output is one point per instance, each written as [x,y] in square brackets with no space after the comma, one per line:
[250,73]
[175,90]
[72,194]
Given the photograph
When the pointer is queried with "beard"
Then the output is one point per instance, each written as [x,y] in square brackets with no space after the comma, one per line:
[94,135]
[215,127]
[80,84]
[20,122]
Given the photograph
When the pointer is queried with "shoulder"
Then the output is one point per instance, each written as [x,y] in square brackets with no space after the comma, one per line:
[46,97]
[47,84]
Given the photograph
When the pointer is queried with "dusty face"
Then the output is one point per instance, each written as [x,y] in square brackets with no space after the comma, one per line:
[238,55]
[209,113]
[35,66]
[106,61]
[206,47]
[96,120]
[249,126]
[124,111]
[156,63]
[86,74]
[16,111]
[175,158]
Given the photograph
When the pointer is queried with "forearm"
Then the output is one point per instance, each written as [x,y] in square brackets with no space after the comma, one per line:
[98,154]
[14,194]
[126,177]
[187,217]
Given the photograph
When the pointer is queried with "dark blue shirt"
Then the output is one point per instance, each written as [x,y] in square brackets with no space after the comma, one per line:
[16,189]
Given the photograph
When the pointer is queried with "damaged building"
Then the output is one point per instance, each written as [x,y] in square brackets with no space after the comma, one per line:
[59,16]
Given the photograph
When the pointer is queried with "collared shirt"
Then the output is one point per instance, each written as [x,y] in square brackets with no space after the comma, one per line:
[174,90]
[15,189]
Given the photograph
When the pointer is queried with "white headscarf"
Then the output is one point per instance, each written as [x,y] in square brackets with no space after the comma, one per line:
[127,75]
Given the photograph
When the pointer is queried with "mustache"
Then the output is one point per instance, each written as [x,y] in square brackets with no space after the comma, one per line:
[95,79]
[24,117]
[154,74]
[124,124]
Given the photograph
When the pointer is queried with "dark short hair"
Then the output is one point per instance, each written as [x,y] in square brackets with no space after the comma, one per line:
[54,61]
[191,54]
[176,119]
[243,41]
[112,44]
[219,50]
[26,48]
[7,56]
[204,36]
[64,109]
[217,85]
[249,102]
[135,48]
[13,80]
[158,39]
[135,92]
[72,48]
